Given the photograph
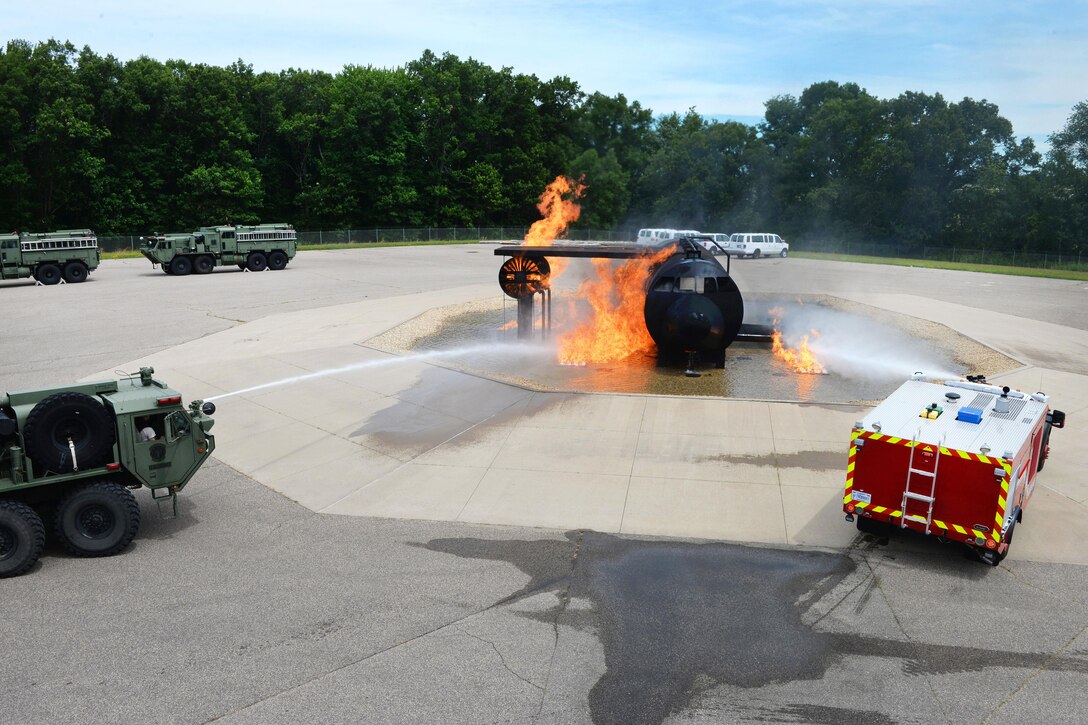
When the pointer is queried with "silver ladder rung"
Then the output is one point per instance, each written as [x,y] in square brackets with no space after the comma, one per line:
[920,472]
[919,497]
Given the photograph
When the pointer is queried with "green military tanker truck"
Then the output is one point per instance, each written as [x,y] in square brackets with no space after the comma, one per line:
[72,453]
[49,257]
[256,248]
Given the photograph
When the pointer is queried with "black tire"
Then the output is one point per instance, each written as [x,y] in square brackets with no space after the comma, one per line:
[75,272]
[879,529]
[241,265]
[68,415]
[757,254]
[47,274]
[784,253]
[181,266]
[277,260]
[256,262]
[203,264]
[22,537]
[97,519]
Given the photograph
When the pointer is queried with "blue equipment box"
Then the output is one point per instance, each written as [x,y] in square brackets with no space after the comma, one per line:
[969,415]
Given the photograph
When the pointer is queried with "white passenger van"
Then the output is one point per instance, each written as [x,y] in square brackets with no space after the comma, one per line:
[757,245]
[657,236]
[652,236]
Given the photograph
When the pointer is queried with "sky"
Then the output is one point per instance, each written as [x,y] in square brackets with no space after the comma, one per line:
[724,59]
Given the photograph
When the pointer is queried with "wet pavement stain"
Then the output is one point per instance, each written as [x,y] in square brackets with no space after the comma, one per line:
[814,460]
[676,619]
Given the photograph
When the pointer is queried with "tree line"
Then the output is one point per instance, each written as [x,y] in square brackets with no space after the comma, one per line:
[142,145]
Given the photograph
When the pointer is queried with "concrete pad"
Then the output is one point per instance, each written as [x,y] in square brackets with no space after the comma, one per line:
[615,413]
[811,422]
[540,498]
[814,517]
[703,416]
[704,509]
[414,491]
[326,483]
[1052,529]
[475,446]
[812,463]
[707,458]
[604,452]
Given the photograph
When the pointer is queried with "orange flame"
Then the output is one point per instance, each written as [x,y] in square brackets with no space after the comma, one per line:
[799,359]
[557,206]
[616,327]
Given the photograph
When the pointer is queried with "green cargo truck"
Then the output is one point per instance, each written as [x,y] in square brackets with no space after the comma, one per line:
[49,257]
[72,453]
[256,248]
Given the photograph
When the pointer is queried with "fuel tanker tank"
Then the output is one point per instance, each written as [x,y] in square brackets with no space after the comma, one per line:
[693,305]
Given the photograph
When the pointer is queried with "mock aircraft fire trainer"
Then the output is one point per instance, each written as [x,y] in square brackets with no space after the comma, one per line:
[693,307]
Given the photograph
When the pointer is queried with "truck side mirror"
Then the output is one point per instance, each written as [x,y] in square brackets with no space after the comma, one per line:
[1057,418]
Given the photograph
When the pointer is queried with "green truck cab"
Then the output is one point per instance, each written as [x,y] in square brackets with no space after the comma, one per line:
[75,451]
[49,257]
[256,248]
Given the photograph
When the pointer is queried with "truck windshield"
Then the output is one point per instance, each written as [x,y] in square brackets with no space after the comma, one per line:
[178,424]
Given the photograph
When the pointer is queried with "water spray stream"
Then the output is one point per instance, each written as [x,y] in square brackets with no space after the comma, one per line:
[512,350]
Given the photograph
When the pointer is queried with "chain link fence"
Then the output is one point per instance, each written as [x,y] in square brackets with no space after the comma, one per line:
[375,235]
[1072,260]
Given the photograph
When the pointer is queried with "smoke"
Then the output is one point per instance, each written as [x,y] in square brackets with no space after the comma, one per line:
[854,346]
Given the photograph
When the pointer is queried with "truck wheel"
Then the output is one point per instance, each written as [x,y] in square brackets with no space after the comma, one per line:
[181,266]
[256,262]
[47,274]
[64,416]
[277,260]
[22,537]
[241,265]
[98,519]
[75,272]
[879,529]
[757,254]
[783,253]
[203,264]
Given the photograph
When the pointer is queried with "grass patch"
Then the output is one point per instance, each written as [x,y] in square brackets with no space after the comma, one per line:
[938,264]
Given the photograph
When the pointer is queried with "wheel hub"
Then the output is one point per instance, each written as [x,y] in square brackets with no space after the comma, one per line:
[94,521]
[8,542]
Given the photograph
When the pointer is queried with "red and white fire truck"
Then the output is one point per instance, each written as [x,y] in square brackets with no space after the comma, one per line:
[957,460]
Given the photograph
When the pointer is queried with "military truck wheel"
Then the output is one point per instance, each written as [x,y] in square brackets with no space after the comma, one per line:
[241,265]
[277,260]
[22,537]
[181,266]
[75,272]
[64,421]
[98,519]
[47,274]
[203,264]
[256,262]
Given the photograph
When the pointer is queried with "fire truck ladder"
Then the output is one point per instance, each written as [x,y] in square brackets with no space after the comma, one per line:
[915,494]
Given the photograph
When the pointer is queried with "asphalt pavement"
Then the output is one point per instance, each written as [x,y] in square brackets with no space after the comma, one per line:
[251,607]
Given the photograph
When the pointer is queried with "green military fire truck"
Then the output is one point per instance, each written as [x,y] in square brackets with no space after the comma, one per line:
[72,453]
[256,248]
[49,257]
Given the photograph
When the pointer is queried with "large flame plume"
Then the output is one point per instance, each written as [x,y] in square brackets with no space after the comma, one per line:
[615,327]
[799,359]
[559,210]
